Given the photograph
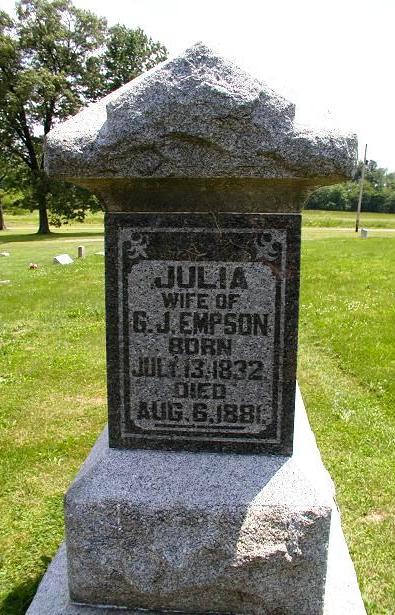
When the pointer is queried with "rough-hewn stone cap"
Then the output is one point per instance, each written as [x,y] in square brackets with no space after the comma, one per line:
[197,115]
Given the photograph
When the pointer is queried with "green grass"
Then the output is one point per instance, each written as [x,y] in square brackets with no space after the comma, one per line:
[52,400]
[346,219]
[52,391]
[27,224]
[347,376]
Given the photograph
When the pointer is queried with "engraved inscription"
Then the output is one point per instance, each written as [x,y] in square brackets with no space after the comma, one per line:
[202,315]
[201,348]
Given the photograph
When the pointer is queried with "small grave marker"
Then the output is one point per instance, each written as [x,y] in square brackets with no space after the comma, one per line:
[81,252]
[62,259]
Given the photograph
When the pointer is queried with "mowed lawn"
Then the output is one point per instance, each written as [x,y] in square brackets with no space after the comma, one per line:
[53,393]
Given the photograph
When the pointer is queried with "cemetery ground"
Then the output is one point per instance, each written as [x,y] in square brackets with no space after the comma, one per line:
[53,397]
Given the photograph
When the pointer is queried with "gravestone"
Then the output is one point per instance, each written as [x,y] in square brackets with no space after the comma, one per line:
[62,259]
[81,252]
[211,496]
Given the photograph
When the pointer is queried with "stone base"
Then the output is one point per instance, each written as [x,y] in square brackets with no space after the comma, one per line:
[202,533]
[342,595]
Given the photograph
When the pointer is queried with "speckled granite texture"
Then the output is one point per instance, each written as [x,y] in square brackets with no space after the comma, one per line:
[196,115]
[202,532]
[336,593]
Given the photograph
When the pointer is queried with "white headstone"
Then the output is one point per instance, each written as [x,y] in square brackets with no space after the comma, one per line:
[364,233]
[62,259]
[4,253]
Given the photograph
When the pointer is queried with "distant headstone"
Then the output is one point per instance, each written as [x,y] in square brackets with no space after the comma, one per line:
[81,251]
[203,172]
[5,281]
[364,233]
[4,254]
[62,259]
[100,253]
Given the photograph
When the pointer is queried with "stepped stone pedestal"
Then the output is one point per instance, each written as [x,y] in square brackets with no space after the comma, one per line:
[208,495]
[202,533]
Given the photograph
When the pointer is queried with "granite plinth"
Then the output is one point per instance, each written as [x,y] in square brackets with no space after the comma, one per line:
[342,594]
[201,532]
[202,321]
[337,593]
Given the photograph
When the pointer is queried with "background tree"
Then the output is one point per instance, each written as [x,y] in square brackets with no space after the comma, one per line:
[44,77]
[12,179]
[378,192]
[128,53]
[54,59]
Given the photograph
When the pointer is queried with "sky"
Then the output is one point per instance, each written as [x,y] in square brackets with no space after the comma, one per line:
[333,58]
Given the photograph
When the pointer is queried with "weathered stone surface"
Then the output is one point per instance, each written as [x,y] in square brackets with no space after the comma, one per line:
[202,321]
[342,594]
[197,115]
[200,532]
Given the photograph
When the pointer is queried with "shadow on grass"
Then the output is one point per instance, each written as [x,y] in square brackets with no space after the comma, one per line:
[10,238]
[18,600]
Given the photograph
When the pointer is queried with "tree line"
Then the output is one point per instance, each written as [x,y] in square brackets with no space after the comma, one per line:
[55,59]
[378,192]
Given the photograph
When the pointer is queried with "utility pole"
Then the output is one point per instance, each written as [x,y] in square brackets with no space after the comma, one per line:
[361,191]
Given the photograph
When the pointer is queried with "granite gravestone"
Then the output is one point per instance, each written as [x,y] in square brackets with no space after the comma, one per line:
[203,171]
